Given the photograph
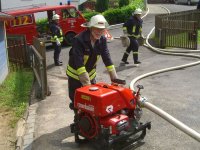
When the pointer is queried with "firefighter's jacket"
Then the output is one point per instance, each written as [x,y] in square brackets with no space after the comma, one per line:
[56,32]
[133,26]
[83,56]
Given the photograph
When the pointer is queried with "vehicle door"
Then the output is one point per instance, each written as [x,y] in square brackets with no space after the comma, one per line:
[71,20]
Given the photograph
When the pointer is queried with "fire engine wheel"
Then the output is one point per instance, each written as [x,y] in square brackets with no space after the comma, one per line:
[69,38]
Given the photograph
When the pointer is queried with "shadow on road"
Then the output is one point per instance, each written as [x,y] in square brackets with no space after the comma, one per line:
[60,139]
[122,67]
[50,66]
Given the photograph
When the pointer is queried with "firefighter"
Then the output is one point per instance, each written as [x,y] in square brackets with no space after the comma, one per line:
[56,39]
[87,48]
[133,28]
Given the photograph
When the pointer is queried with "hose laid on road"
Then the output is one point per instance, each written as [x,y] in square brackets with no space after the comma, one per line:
[192,133]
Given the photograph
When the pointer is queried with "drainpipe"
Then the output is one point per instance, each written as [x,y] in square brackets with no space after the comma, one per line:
[0,5]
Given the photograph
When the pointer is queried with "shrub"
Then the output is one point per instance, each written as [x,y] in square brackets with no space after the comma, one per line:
[123,3]
[42,25]
[88,15]
[122,14]
[101,5]
[118,15]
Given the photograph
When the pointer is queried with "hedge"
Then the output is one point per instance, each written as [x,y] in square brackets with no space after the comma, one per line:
[88,15]
[113,16]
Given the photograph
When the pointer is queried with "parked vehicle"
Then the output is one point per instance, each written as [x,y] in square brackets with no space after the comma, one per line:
[189,2]
[198,5]
[25,22]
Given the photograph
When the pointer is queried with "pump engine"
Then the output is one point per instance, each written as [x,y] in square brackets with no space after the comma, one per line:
[109,114]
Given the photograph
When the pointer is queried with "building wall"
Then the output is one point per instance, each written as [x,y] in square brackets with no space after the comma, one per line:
[11,4]
[3,54]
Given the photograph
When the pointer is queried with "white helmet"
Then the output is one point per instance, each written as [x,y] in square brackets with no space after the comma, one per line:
[56,17]
[138,11]
[97,21]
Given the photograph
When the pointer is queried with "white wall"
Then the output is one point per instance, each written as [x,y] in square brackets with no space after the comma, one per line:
[3,54]
[10,4]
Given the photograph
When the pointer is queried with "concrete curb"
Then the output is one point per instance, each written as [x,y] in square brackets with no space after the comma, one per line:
[22,123]
[21,127]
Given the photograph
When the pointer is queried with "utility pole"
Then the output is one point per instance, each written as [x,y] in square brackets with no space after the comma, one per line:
[0,5]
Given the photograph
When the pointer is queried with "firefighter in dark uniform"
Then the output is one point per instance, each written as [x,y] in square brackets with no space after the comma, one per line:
[56,38]
[133,28]
[87,48]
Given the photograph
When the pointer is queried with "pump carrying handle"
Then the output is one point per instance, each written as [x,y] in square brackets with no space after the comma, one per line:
[119,81]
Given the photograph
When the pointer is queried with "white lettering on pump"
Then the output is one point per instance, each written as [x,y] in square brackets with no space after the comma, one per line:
[87,107]
[109,109]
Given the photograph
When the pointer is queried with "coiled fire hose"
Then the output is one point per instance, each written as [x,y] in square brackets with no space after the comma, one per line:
[192,133]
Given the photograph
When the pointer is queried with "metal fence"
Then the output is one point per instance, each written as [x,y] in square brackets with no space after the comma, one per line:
[38,63]
[17,51]
[179,29]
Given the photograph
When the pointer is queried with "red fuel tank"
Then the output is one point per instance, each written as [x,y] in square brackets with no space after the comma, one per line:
[102,99]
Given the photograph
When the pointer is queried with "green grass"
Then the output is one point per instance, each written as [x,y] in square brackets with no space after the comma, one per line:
[15,92]
[180,39]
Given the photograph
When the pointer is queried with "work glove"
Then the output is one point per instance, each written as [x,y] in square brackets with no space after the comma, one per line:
[58,42]
[141,40]
[113,74]
[125,40]
[125,31]
[84,79]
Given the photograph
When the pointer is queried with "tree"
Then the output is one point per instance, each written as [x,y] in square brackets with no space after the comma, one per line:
[123,3]
[101,5]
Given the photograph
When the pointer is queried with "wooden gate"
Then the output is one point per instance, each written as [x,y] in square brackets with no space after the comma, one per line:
[178,33]
[17,51]
[178,29]
[38,63]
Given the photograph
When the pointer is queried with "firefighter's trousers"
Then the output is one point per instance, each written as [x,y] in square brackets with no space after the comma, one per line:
[134,46]
[57,50]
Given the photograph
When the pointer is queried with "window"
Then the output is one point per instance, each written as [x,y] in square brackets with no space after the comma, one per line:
[69,13]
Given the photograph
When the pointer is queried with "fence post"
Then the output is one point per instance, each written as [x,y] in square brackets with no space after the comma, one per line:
[145,5]
[40,49]
[160,37]
[42,80]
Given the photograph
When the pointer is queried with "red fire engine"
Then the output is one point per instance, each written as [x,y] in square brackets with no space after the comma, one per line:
[25,22]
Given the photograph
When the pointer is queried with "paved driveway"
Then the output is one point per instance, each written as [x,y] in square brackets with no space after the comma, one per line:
[176,92]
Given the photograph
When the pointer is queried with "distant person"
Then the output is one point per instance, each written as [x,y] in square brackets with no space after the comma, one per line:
[198,5]
[133,28]
[56,39]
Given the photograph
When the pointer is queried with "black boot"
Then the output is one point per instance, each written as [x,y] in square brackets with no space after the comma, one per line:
[77,138]
[58,64]
[71,106]
[135,58]
[124,58]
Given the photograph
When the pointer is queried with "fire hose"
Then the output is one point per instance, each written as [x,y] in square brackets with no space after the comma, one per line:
[192,133]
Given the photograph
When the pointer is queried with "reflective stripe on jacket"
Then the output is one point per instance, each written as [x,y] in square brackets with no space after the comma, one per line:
[56,32]
[83,57]
[133,27]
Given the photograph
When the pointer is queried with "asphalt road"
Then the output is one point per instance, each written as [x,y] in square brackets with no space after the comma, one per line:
[176,92]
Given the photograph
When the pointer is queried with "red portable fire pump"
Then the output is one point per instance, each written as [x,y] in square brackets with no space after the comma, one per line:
[108,114]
